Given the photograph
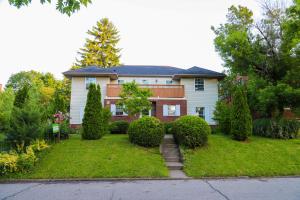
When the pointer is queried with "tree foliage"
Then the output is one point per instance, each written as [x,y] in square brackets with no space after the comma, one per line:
[26,122]
[64,6]
[134,100]
[101,50]
[267,51]
[95,120]
[241,120]
[6,106]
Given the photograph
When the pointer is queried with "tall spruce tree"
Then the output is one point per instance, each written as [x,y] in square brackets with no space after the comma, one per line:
[92,119]
[241,120]
[101,50]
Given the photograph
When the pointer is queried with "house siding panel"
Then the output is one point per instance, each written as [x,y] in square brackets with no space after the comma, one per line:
[206,98]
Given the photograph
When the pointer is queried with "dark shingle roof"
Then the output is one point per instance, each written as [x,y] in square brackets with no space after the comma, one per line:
[143,70]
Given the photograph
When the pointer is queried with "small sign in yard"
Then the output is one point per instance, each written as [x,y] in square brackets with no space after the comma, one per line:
[55,128]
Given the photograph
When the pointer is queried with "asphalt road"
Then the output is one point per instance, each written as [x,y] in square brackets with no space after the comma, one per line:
[233,189]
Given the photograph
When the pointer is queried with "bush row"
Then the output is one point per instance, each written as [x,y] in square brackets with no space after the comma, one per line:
[21,162]
[282,128]
[119,127]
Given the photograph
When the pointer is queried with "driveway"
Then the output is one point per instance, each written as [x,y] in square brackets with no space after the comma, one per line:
[233,189]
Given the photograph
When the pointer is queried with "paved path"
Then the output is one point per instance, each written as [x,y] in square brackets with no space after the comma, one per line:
[243,189]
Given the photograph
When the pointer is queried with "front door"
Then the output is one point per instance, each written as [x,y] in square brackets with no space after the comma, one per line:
[153,109]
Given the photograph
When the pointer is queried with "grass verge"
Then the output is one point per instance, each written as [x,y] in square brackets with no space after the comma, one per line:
[256,157]
[110,157]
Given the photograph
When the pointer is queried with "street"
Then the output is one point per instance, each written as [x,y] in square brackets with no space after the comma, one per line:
[228,189]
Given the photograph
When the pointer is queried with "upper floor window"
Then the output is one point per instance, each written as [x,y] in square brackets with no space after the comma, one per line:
[200,112]
[121,81]
[88,81]
[169,82]
[145,81]
[199,84]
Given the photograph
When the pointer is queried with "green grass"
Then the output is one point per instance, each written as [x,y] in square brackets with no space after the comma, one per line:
[111,156]
[256,157]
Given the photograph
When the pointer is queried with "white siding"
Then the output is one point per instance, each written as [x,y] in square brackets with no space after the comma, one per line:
[206,98]
[79,94]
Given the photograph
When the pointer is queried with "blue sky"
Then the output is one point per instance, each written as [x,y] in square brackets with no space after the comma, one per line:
[156,32]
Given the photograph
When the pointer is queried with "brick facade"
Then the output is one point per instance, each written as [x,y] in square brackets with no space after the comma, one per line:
[159,109]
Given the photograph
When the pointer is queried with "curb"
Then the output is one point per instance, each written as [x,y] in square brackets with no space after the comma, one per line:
[51,181]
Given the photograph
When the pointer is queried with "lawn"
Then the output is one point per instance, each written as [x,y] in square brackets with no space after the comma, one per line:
[256,157]
[111,156]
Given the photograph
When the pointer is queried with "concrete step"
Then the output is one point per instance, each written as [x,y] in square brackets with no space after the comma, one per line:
[174,165]
[169,145]
[172,159]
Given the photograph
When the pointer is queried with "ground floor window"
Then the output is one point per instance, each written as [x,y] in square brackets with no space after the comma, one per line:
[171,110]
[200,112]
[119,110]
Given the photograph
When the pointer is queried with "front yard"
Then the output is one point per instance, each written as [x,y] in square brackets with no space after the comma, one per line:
[111,156]
[257,157]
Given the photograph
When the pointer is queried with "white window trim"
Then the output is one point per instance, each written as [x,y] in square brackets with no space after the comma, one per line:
[113,110]
[85,81]
[195,85]
[166,110]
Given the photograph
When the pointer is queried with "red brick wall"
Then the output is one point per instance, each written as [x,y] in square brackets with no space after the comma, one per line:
[159,109]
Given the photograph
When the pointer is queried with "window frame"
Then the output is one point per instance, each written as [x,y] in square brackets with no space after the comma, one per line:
[196,85]
[198,109]
[87,82]
[119,108]
[121,81]
[169,82]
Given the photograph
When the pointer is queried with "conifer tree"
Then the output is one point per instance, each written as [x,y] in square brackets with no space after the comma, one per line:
[92,119]
[101,50]
[241,121]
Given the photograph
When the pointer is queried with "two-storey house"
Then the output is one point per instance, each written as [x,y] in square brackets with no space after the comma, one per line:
[176,91]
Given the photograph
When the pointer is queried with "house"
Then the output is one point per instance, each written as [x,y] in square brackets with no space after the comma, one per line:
[176,91]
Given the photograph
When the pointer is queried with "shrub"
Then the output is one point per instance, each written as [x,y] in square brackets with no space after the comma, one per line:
[8,163]
[169,127]
[222,115]
[26,122]
[26,160]
[119,127]
[281,129]
[92,120]
[13,162]
[241,120]
[191,131]
[146,131]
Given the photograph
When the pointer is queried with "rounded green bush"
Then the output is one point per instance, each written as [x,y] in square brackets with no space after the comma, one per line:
[146,131]
[191,131]
[119,127]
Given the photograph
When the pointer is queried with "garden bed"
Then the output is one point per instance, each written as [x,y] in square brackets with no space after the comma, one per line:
[110,157]
[256,157]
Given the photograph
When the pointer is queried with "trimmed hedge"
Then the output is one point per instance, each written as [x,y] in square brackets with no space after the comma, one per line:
[271,128]
[191,131]
[146,131]
[119,127]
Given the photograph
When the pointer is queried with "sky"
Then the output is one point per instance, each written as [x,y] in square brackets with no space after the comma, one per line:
[157,32]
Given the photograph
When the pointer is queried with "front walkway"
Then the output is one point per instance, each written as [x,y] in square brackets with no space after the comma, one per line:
[227,189]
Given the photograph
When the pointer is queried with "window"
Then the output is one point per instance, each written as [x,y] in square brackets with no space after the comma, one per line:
[199,84]
[89,81]
[171,110]
[119,110]
[121,81]
[200,112]
[169,82]
[145,81]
